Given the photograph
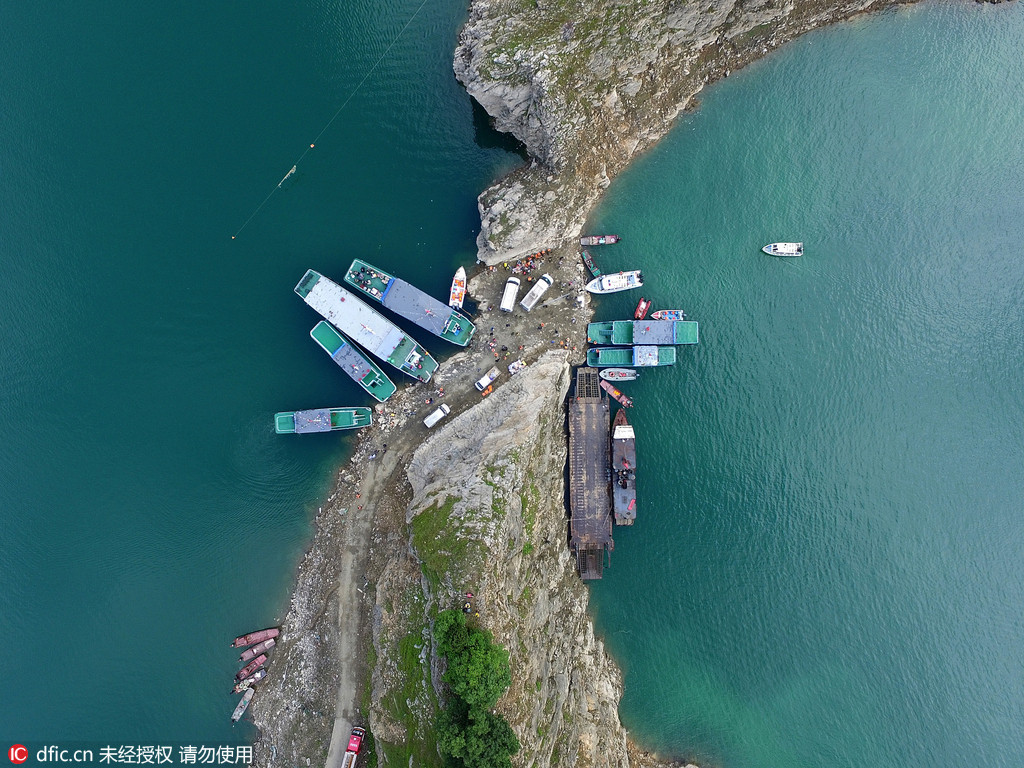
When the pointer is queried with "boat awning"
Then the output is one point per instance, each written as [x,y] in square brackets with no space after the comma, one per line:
[316,420]
[413,304]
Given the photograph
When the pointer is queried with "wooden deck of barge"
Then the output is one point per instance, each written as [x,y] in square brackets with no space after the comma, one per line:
[590,522]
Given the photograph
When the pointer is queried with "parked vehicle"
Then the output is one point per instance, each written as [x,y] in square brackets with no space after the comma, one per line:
[436,415]
[508,298]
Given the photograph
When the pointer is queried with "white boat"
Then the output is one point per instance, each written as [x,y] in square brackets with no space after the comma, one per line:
[619,374]
[458,293]
[616,281]
[242,705]
[784,249]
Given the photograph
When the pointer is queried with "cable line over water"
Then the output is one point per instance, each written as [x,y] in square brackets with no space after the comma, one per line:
[312,144]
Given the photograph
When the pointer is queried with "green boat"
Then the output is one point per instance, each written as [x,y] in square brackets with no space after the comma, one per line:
[645,332]
[410,302]
[630,357]
[365,325]
[352,361]
[321,420]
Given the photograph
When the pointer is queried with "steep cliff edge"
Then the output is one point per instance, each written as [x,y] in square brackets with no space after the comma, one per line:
[587,84]
[487,517]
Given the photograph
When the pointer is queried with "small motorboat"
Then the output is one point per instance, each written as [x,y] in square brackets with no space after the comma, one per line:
[619,374]
[458,292]
[255,637]
[589,261]
[784,249]
[641,308]
[251,680]
[251,667]
[599,239]
[253,651]
[615,282]
[669,314]
[626,402]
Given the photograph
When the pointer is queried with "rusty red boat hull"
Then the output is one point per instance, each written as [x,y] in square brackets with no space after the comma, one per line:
[251,667]
[641,309]
[255,650]
[255,637]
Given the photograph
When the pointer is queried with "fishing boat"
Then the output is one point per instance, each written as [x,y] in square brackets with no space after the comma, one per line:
[253,651]
[623,470]
[242,705]
[589,261]
[255,637]
[599,239]
[784,249]
[365,326]
[619,374]
[458,292]
[615,282]
[251,667]
[410,302]
[353,362]
[630,357]
[624,401]
[321,420]
[668,314]
[631,332]
[250,681]
[641,308]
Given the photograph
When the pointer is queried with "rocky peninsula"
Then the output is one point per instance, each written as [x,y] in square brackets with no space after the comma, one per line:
[421,518]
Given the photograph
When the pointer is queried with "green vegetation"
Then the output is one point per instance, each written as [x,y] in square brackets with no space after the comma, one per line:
[439,542]
[469,734]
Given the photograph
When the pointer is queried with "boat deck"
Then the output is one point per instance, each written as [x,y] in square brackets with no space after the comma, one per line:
[321,420]
[643,332]
[590,523]
[629,357]
[351,361]
[410,302]
[623,474]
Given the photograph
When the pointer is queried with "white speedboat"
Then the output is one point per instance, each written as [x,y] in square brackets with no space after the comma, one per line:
[616,281]
[784,249]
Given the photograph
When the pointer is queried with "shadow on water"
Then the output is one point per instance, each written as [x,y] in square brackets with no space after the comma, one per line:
[489,138]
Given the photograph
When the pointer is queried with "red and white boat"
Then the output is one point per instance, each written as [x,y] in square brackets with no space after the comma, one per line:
[251,667]
[256,637]
[599,239]
[458,292]
[641,309]
[627,402]
[250,681]
[255,650]
[669,314]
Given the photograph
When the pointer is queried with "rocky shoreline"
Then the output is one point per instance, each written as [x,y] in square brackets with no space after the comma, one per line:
[419,518]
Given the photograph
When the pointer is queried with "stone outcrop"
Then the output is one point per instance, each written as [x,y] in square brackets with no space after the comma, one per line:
[587,84]
[487,515]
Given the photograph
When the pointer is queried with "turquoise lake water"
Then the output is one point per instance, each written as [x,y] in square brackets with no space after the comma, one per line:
[827,567]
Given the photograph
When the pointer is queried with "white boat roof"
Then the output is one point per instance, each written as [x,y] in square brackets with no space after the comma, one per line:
[617,281]
[623,432]
[346,312]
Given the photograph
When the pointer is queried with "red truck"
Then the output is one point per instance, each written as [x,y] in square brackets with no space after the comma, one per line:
[355,741]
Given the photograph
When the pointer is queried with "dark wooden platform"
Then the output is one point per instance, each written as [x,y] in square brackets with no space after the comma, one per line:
[590,523]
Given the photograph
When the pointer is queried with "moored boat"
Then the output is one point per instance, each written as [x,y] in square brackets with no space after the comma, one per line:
[408,301]
[624,401]
[630,332]
[784,249]
[250,681]
[589,261]
[599,239]
[615,282]
[255,650]
[256,637]
[641,308]
[242,705]
[630,357]
[623,470]
[321,420]
[668,314]
[458,291]
[619,374]
[353,362]
[251,667]
[365,326]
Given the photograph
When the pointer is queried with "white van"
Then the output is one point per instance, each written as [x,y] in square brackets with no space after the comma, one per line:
[439,413]
[530,299]
[508,298]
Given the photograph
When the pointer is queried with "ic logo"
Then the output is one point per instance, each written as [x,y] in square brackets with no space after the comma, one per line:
[18,754]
